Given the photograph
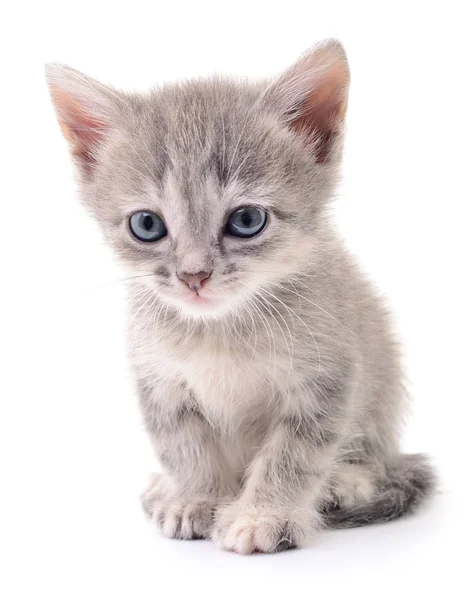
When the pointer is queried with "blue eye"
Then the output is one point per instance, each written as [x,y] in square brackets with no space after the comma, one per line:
[246,222]
[147,226]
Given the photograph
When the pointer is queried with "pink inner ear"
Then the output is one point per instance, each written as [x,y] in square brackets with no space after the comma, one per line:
[322,111]
[81,129]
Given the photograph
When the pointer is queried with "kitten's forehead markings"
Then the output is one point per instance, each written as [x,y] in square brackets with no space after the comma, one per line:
[191,205]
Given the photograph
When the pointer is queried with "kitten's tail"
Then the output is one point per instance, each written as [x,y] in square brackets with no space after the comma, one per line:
[409,481]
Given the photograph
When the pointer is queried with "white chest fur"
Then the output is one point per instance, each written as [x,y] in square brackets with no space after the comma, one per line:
[227,385]
[233,383]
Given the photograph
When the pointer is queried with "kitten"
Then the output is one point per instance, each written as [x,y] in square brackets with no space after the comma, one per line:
[266,366]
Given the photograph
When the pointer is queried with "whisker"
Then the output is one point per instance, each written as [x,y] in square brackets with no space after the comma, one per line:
[304,324]
[125,279]
[290,349]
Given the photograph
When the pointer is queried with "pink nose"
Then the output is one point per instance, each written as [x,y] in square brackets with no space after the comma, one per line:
[194,281]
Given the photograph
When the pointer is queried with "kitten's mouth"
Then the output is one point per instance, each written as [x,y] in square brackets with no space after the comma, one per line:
[199,303]
[205,303]
[198,298]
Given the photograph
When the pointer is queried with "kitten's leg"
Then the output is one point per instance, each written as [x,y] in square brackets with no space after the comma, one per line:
[182,500]
[286,480]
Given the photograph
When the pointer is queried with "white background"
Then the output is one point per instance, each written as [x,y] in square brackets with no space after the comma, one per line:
[74,456]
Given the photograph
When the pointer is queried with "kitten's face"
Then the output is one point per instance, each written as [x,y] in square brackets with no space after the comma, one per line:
[204,190]
[236,212]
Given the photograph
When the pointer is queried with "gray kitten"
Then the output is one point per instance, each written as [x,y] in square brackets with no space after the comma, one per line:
[266,365]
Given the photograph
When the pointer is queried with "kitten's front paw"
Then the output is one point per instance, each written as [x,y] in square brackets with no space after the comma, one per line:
[176,515]
[185,518]
[246,529]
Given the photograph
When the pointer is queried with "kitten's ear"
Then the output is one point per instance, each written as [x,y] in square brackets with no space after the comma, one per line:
[86,110]
[312,96]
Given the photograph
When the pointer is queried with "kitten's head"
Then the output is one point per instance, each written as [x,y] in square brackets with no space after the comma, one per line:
[212,189]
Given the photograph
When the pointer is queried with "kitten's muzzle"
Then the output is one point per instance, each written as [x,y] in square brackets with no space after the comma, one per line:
[194,281]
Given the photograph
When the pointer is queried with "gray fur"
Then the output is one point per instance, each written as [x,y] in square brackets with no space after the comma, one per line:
[405,485]
[275,404]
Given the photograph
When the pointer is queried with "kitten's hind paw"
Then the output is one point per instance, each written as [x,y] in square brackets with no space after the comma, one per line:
[158,489]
